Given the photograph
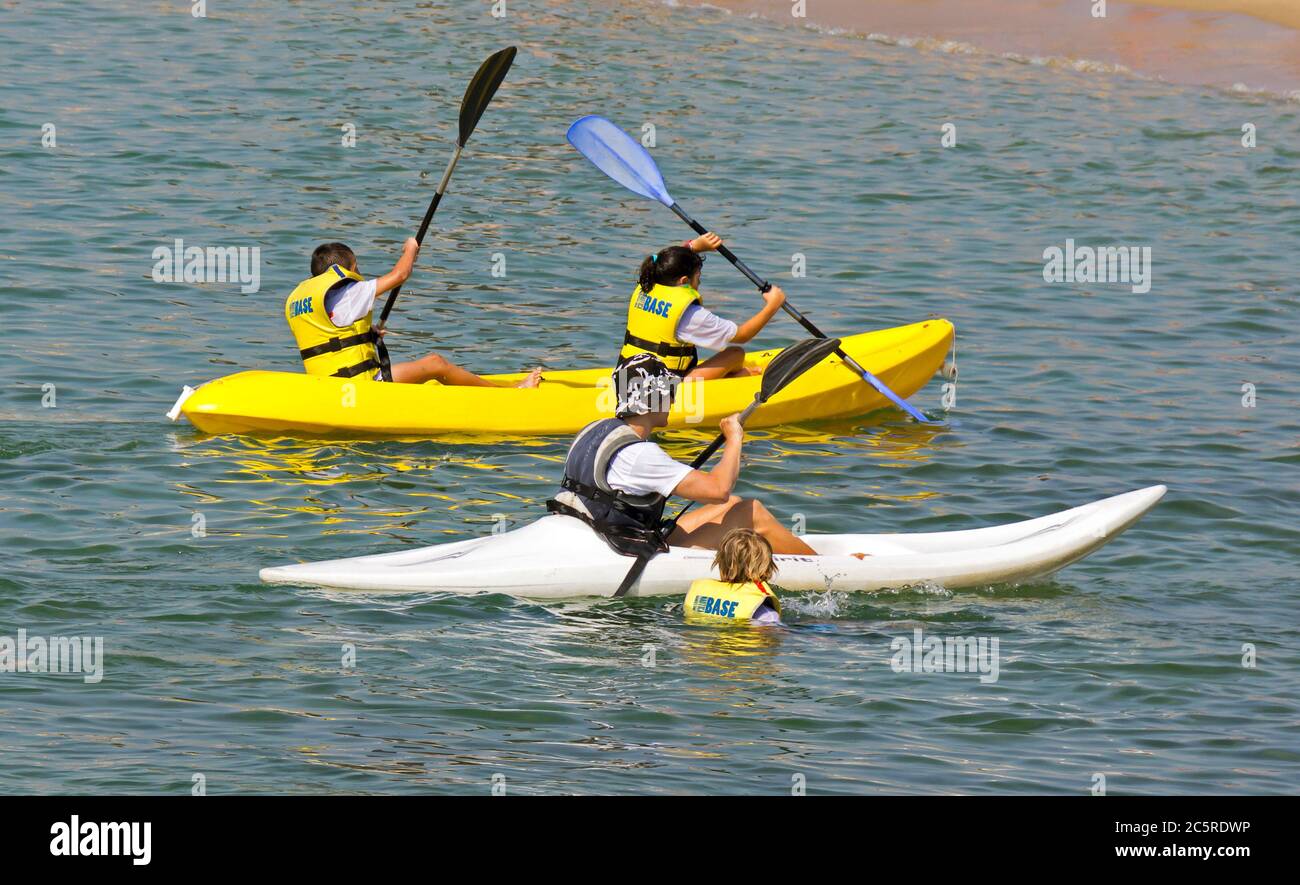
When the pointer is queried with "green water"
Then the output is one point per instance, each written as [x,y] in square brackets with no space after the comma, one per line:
[226,131]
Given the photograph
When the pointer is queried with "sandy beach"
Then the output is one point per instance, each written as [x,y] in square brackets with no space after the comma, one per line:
[1244,44]
[1283,12]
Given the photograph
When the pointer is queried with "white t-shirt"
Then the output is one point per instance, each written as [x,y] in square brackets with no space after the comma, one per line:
[349,303]
[704,328]
[642,468]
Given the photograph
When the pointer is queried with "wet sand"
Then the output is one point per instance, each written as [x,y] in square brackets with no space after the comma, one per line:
[1250,44]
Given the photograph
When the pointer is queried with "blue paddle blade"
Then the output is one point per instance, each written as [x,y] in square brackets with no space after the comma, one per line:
[896,399]
[619,156]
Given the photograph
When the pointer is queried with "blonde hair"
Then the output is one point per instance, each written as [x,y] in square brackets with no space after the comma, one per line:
[744,556]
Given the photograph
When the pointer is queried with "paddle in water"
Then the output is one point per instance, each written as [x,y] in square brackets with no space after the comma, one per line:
[622,158]
[478,94]
[786,366]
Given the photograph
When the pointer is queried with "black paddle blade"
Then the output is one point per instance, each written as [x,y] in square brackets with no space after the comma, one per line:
[792,362]
[786,366]
[486,80]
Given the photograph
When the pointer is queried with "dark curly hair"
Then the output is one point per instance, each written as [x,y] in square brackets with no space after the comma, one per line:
[667,267]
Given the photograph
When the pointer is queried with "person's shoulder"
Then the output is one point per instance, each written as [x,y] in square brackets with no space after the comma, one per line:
[645,448]
[644,453]
[358,288]
[701,317]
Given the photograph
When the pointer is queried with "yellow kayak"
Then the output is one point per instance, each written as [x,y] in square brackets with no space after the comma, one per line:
[296,404]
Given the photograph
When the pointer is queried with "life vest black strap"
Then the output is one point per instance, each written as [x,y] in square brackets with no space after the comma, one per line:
[661,348]
[359,368]
[615,499]
[622,539]
[334,345]
[554,506]
[569,484]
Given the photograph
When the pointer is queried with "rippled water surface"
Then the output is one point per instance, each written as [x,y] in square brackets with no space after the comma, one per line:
[226,131]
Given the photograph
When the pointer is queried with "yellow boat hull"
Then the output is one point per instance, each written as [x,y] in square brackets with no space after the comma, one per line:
[295,404]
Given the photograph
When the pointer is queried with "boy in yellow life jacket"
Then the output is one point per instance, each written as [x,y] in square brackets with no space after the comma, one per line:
[666,316]
[329,315]
[744,564]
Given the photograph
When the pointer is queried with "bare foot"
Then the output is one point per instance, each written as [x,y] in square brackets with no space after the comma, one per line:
[860,555]
[534,378]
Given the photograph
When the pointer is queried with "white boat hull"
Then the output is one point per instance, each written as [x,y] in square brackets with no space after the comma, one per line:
[559,557]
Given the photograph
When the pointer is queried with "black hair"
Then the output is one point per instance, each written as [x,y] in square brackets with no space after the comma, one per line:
[667,267]
[331,253]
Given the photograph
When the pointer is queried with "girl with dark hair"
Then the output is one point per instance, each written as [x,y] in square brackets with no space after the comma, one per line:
[666,317]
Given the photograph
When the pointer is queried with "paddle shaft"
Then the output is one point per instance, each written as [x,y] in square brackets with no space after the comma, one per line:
[703,457]
[763,285]
[424,226]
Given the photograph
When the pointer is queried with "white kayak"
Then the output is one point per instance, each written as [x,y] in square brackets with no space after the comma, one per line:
[559,557]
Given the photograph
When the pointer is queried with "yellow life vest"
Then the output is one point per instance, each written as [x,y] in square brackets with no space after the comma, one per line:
[652,326]
[327,349]
[718,602]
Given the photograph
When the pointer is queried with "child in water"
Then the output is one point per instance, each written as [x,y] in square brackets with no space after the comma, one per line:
[744,563]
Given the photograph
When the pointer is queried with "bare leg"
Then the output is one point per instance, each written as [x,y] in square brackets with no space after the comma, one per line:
[436,368]
[727,363]
[706,526]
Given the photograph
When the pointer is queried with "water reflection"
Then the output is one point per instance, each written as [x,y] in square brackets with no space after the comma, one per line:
[429,491]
